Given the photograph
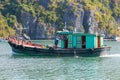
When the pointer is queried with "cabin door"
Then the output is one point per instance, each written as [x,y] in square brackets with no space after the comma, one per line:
[99,42]
[83,42]
[66,43]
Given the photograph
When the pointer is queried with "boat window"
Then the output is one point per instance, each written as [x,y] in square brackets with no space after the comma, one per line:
[66,43]
[83,42]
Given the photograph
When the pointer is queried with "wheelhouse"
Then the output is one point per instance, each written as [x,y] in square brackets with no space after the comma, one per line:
[80,40]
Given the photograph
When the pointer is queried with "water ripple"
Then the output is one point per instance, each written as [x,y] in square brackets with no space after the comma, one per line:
[59,68]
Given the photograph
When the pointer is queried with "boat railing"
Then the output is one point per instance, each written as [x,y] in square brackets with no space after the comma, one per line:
[25,43]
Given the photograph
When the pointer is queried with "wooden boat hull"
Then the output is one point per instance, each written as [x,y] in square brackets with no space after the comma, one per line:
[19,49]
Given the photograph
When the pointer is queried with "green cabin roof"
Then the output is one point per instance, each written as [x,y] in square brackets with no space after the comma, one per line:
[64,32]
[83,34]
[78,33]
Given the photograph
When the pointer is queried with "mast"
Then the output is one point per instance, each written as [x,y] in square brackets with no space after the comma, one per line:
[65,27]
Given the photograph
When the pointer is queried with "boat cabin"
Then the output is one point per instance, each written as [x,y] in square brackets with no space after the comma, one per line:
[79,40]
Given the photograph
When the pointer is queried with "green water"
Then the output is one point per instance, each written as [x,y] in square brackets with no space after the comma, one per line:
[59,68]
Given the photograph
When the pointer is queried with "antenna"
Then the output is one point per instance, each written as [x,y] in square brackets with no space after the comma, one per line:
[75,29]
[65,28]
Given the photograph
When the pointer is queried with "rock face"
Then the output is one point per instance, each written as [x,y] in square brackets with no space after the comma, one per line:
[81,20]
[31,27]
[118,20]
[34,29]
[42,18]
[74,19]
[89,22]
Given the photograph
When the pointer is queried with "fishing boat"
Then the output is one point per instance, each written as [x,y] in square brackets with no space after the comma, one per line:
[72,44]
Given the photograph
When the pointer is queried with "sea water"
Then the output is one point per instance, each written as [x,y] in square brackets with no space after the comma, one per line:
[59,68]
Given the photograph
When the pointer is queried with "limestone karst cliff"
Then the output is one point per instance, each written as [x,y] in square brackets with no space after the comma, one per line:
[42,18]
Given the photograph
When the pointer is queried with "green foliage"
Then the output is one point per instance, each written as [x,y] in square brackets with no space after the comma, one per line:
[106,11]
[5,30]
[104,14]
[11,20]
[116,11]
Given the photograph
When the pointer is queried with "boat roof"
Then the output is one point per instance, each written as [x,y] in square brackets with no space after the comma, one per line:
[78,33]
[64,32]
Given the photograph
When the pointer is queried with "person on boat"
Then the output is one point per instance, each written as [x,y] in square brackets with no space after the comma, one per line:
[83,44]
[56,41]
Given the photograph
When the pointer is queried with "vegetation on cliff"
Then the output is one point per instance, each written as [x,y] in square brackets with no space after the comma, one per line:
[107,13]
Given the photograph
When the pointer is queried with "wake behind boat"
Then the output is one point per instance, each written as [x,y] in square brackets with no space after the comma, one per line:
[72,44]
